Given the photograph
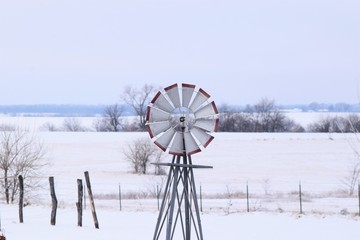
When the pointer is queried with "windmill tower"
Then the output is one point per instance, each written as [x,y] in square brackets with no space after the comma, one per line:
[181,127]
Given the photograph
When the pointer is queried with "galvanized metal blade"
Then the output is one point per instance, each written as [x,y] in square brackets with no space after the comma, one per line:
[156,128]
[209,125]
[164,140]
[173,93]
[203,137]
[177,146]
[154,114]
[161,102]
[187,92]
[200,98]
[190,144]
[206,111]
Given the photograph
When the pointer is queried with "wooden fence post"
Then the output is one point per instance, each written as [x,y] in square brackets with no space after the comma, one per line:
[300,198]
[92,204]
[247,198]
[21,198]
[53,201]
[79,204]
[84,197]
[201,199]
[158,196]
[120,204]
[359,196]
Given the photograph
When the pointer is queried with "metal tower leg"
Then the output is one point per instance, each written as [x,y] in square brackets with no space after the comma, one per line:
[180,209]
[172,201]
[196,204]
[160,220]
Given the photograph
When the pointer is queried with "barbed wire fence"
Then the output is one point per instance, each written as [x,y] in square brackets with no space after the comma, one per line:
[303,197]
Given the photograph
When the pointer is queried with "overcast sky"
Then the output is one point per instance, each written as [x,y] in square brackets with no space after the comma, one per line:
[87,51]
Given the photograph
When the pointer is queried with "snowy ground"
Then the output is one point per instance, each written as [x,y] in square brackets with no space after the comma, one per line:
[140,225]
[271,164]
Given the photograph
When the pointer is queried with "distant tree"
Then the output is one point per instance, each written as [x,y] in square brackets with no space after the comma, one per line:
[73,125]
[262,117]
[291,126]
[267,117]
[339,124]
[227,121]
[139,99]
[7,127]
[353,123]
[21,153]
[352,177]
[48,126]
[111,120]
[231,120]
[139,153]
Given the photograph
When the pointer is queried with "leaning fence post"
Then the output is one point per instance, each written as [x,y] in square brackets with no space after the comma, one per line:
[92,204]
[53,201]
[21,198]
[79,204]
[300,198]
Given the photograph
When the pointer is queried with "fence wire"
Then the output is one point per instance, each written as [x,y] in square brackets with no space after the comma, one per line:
[281,197]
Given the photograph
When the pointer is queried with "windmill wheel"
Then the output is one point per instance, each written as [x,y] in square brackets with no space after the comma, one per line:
[175,120]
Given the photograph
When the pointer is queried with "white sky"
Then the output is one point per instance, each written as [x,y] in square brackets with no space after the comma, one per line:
[86,51]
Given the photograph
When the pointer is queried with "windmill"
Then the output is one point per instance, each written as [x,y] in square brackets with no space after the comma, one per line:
[180,121]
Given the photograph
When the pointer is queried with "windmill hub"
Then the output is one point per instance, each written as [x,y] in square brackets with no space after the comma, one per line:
[182,118]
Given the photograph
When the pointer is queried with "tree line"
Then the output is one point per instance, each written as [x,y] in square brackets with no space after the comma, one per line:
[264,116]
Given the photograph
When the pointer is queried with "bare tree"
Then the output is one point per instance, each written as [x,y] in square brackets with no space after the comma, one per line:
[267,116]
[139,99]
[48,126]
[158,154]
[139,153]
[348,124]
[111,120]
[7,127]
[232,120]
[262,117]
[21,153]
[73,125]
[351,179]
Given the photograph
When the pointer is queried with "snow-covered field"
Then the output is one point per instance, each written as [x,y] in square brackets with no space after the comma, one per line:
[272,165]
[140,225]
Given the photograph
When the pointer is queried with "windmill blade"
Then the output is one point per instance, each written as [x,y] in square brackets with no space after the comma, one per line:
[209,125]
[177,146]
[206,111]
[156,128]
[164,140]
[190,144]
[187,92]
[173,93]
[200,98]
[154,114]
[203,137]
[161,102]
